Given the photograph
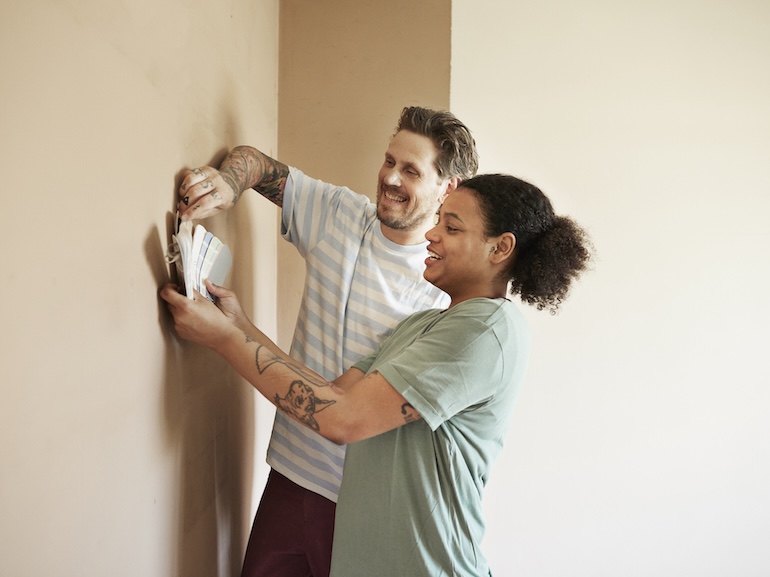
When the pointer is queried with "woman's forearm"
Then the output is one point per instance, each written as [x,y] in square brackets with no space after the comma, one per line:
[289,385]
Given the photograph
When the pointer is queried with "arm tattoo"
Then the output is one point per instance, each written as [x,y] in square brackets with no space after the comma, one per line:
[244,169]
[409,413]
[230,180]
[265,359]
[300,400]
[301,403]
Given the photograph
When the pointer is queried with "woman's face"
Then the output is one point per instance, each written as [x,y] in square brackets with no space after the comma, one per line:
[459,251]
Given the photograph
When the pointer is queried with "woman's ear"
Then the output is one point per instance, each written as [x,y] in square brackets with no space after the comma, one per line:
[503,248]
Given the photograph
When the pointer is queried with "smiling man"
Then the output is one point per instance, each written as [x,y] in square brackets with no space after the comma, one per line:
[364,264]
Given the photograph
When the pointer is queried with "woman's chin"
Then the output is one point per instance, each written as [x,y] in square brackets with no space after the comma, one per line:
[432,278]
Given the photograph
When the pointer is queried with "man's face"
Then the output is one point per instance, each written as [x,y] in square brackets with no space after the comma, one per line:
[409,187]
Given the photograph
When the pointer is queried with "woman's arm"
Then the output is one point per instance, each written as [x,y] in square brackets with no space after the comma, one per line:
[350,408]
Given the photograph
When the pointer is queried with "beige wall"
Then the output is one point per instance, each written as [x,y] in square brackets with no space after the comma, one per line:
[641,443]
[121,451]
[124,452]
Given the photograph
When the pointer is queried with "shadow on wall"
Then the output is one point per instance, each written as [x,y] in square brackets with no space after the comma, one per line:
[208,417]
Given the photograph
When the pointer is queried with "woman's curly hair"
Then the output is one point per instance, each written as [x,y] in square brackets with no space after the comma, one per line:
[551,251]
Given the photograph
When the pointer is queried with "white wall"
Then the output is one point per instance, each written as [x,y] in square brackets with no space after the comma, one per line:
[641,443]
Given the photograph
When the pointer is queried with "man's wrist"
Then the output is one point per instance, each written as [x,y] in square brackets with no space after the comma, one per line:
[233,183]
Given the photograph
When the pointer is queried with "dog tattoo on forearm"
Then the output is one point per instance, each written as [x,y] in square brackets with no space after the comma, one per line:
[300,400]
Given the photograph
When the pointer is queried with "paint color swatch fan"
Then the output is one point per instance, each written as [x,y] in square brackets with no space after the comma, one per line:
[198,255]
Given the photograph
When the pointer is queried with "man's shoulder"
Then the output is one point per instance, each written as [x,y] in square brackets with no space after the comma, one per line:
[300,181]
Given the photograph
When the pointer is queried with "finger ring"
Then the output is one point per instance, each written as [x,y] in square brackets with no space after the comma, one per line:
[186,200]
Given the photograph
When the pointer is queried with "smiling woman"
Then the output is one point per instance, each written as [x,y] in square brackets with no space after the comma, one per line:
[461,252]
[425,415]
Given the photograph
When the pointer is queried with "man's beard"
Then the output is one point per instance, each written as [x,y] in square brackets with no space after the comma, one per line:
[400,220]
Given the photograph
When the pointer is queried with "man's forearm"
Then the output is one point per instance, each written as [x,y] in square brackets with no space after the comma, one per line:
[246,167]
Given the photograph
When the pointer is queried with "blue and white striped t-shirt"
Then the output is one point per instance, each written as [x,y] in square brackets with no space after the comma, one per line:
[358,286]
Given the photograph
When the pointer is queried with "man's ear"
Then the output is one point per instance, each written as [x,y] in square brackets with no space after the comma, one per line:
[503,250]
[452,184]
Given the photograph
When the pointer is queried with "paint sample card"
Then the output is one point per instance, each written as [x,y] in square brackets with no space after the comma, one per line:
[199,255]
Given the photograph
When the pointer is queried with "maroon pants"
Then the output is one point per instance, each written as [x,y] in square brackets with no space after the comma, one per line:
[292,532]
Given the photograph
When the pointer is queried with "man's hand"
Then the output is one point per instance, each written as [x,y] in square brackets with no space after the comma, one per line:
[203,193]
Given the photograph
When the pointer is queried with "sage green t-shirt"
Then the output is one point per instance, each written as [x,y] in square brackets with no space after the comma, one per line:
[410,502]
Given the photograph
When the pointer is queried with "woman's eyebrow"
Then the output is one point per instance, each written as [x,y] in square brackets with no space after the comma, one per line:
[451,215]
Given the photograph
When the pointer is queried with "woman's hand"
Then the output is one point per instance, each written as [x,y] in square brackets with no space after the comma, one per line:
[201,321]
[230,306]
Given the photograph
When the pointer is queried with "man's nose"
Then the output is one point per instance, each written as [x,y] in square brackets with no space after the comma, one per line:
[392,178]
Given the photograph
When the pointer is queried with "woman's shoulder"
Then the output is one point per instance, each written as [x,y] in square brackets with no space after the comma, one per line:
[495,314]
[483,305]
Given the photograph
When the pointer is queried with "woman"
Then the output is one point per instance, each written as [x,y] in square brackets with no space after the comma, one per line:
[426,415]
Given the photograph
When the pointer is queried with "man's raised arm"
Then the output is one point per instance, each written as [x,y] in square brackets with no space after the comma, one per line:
[206,191]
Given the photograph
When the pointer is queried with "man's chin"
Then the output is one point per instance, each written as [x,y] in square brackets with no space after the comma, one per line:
[390,220]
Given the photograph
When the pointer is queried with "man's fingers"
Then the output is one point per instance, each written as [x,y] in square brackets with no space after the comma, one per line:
[202,199]
[191,178]
[197,207]
[196,186]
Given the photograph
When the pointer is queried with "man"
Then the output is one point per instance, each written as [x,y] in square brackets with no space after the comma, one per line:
[364,267]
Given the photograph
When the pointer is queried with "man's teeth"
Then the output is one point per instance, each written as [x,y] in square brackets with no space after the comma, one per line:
[393,197]
[433,255]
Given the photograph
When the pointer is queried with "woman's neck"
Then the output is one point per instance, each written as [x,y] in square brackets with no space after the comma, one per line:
[497,292]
